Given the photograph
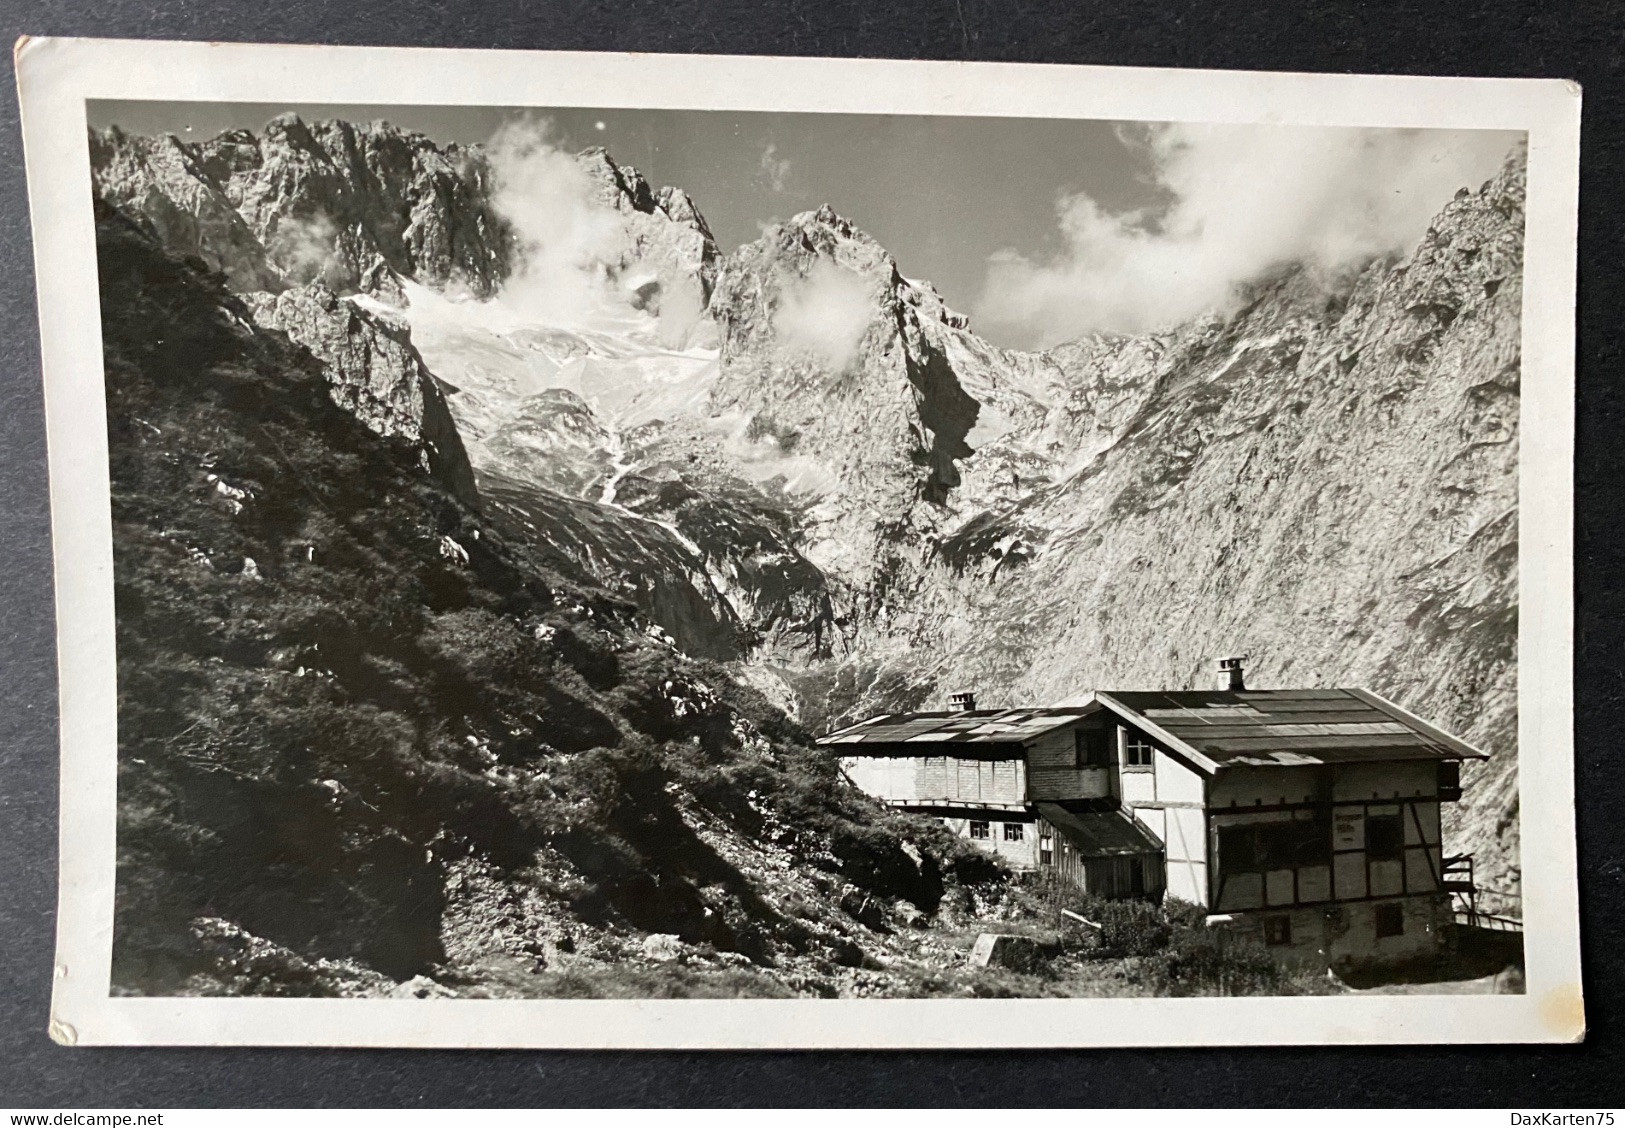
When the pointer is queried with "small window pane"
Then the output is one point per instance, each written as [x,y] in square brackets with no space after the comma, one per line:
[978,829]
[1137,750]
[1277,931]
[1449,779]
[1013,832]
[1314,840]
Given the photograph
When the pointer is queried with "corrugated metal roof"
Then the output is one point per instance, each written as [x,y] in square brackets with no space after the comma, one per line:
[980,726]
[1100,834]
[1287,726]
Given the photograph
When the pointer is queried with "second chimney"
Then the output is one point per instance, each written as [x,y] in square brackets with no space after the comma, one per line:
[1233,679]
[962,703]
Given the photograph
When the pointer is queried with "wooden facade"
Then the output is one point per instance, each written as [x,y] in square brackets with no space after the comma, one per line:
[1101,850]
[963,778]
[1072,762]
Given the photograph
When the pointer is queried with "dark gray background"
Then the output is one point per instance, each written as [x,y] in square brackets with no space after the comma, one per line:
[1485,37]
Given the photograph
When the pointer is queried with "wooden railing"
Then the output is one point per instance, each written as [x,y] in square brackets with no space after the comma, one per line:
[1477,905]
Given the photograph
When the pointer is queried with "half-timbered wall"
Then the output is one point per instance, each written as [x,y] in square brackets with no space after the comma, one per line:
[1184,839]
[1167,797]
[1352,935]
[1311,855]
[1274,786]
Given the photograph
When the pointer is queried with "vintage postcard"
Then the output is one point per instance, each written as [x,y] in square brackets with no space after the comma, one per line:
[585,550]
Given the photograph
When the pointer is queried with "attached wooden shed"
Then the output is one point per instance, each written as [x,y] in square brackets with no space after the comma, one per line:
[1103,851]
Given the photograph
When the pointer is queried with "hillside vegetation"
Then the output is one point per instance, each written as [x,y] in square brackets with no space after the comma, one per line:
[357,726]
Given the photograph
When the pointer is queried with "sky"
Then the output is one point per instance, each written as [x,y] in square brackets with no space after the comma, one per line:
[1040,229]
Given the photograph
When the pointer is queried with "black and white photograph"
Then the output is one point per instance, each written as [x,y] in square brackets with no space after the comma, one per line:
[581,551]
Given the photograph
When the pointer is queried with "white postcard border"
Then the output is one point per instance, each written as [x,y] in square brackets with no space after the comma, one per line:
[57,76]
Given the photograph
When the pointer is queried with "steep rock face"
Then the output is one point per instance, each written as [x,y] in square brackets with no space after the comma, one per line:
[373,372]
[161,181]
[831,354]
[1324,481]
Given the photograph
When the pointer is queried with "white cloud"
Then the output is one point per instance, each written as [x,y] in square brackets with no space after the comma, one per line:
[1241,201]
[825,313]
[305,249]
[775,169]
[565,234]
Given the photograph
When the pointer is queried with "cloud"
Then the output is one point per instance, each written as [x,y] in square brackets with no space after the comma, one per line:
[565,234]
[775,170]
[825,313]
[305,249]
[1238,201]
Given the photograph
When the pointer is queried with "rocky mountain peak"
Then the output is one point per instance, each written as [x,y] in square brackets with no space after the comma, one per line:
[824,232]
[668,248]
[677,204]
[300,202]
[167,185]
[621,187]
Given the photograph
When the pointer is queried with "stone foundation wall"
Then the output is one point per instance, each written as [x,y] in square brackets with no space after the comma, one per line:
[1344,936]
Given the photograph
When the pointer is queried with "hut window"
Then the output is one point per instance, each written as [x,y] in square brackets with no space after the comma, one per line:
[1384,835]
[978,829]
[1390,921]
[1046,846]
[1093,748]
[1277,931]
[1013,832]
[1137,751]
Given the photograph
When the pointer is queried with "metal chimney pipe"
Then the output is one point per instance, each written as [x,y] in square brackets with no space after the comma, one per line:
[1231,668]
[962,703]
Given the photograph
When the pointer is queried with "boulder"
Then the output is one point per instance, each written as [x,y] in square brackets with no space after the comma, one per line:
[420,987]
[999,949]
[662,947]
